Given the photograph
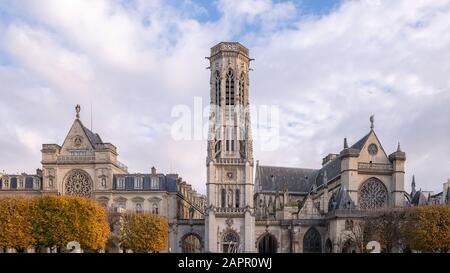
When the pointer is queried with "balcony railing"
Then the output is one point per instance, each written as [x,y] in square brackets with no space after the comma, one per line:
[230,161]
[122,166]
[230,210]
[375,167]
[85,159]
[76,158]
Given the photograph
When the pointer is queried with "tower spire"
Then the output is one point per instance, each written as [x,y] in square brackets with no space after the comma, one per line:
[413,186]
[398,147]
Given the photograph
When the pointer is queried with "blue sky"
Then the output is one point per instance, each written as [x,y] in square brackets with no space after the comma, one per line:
[328,65]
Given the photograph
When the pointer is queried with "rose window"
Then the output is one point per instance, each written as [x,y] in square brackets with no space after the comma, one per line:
[78,184]
[373,194]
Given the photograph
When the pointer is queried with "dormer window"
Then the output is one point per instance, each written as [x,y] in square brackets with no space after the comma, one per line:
[20,183]
[154,182]
[36,184]
[138,182]
[120,182]
[5,181]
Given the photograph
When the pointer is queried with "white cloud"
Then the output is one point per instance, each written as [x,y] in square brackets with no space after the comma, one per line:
[136,61]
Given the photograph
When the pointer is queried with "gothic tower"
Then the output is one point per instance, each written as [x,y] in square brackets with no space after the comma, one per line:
[230,213]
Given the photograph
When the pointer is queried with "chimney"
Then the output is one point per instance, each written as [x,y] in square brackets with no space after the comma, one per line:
[329,158]
[153,170]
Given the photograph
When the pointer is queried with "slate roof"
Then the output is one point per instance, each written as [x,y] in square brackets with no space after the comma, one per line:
[166,182]
[13,182]
[419,199]
[93,137]
[300,180]
[360,143]
[341,200]
[332,169]
[270,178]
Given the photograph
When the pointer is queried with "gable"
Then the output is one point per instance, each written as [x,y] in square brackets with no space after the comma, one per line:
[309,210]
[365,156]
[80,138]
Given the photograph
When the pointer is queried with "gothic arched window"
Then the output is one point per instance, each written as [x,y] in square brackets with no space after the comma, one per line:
[229,88]
[217,83]
[312,243]
[230,242]
[238,195]
[223,198]
[373,194]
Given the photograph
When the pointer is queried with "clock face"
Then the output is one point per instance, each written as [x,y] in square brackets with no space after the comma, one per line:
[77,141]
[373,149]
[229,175]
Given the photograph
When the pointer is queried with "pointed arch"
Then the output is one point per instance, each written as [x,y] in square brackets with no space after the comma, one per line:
[242,89]
[312,242]
[223,198]
[373,194]
[217,87]
[230,242]
[229,88]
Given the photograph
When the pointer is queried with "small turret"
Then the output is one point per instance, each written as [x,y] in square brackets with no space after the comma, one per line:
[413,186]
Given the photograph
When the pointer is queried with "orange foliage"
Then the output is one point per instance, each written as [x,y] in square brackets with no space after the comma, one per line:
[15,226]
[145,232]
[428,228]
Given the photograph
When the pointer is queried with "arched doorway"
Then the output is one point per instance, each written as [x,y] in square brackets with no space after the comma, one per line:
[230,242]
[312,243]
[191,243]
[267,244]
[328,246]
[78,183]
[349,247]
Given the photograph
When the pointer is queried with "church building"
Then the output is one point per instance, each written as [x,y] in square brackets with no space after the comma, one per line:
[248,207]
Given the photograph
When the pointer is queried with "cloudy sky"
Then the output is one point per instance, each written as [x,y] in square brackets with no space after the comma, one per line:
[328,65]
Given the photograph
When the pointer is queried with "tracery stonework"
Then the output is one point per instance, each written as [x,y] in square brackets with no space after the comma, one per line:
[78,183]
[373,194]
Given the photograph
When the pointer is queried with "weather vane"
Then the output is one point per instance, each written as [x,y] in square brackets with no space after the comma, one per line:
[78,109]
[372,120]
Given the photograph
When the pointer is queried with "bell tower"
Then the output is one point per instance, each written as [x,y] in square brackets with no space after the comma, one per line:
[229,217]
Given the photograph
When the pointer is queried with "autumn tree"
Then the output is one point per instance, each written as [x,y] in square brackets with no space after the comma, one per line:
[60,220]
[386,226]
[15,223]
[143,232]
[428,228]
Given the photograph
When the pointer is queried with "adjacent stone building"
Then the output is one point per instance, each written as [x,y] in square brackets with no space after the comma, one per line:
[86,166]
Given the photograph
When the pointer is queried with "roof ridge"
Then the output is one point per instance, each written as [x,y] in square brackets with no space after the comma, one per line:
[295,168]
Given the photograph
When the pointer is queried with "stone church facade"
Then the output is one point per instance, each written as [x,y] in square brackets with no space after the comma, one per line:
[249,207]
